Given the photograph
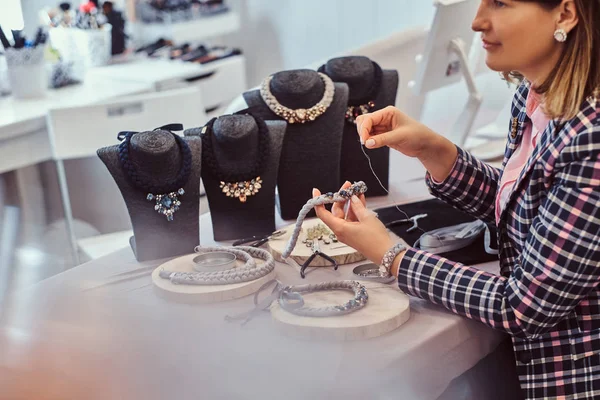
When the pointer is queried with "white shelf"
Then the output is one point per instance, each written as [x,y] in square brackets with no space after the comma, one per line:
[189,31]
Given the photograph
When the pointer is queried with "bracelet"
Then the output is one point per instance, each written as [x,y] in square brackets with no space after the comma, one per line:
[389,257]
[291,300]
[249,272]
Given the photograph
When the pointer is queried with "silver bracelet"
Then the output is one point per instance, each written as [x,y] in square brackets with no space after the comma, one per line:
[371,272]
[249,272]
[291,300]
[389,257]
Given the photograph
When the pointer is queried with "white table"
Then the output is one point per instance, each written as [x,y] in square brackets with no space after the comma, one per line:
[24,140]
[118,339]
[220,80]
[23,121]
[123,341]
[154,72]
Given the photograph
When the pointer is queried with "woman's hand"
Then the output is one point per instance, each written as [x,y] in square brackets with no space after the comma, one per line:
[391,127]
[366,233]
[338,209]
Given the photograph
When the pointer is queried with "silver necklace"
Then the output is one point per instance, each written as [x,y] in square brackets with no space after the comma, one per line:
[291,300]
[300,115]
[342,195]
[249,272]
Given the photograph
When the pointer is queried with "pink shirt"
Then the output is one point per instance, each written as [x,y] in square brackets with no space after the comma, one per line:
[519,158]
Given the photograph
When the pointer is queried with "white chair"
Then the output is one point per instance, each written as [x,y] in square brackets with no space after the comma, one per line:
[77,132]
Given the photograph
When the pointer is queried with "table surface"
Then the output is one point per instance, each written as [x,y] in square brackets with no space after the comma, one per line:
[106,337]
[20,116]
[154,71]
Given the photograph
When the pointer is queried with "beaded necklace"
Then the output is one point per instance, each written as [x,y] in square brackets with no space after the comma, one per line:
[166,195]
[237,185]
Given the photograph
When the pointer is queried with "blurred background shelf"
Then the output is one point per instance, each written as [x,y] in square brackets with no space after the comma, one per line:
[188,31]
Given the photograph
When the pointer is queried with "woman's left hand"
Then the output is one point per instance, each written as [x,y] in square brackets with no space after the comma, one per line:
[367,235]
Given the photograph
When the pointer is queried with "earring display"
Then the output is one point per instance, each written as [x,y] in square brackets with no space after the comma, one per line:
[166,195]
[365,104]
[300,115]
[237,185]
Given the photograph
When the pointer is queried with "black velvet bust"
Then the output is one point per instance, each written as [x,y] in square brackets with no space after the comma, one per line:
[235,145]
[311,152]
[157,156]
[359,74]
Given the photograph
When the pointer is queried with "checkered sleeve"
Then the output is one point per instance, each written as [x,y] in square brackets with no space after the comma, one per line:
[471,187]
[559,265]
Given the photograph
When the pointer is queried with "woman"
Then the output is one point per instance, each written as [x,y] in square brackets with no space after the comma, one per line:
[545,201]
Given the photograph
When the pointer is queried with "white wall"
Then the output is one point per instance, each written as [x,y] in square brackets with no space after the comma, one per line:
[287,34]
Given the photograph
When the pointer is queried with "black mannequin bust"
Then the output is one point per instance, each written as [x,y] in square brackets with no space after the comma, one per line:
[311,152]
[359,74]
[235,144]
[156,155]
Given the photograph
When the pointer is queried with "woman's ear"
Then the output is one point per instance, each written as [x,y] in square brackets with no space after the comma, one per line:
[567,17]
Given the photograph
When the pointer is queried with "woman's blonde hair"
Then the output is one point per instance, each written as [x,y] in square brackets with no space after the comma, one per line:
[577,75]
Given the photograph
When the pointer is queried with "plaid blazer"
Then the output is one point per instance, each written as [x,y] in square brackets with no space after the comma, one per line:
[546,294]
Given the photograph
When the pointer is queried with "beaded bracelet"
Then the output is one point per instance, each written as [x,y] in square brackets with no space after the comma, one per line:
[389,257]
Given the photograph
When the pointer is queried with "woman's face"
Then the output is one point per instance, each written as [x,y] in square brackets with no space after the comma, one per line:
[518,36]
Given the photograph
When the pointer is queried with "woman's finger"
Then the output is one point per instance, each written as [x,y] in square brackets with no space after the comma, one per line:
[338,208]
[369,124]
[327,217]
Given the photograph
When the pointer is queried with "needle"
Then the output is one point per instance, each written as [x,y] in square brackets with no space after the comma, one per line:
[346,209]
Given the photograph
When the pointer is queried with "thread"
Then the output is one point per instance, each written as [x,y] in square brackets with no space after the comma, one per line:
[438,237]
[362,148]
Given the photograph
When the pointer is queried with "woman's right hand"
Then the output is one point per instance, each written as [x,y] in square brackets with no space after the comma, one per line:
[391,127]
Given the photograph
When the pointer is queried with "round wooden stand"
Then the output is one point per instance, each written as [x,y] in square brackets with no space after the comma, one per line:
[202,293]
[386,310]
[338,251]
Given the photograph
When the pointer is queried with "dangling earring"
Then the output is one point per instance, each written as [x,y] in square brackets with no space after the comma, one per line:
[560,35]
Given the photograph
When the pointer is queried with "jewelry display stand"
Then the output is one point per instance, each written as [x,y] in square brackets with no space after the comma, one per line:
[311,151]
[157,156]
[341,253]
[235,148]
[193,294]
[360,75]
[387,309]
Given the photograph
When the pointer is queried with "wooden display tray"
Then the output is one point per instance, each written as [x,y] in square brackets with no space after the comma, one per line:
[340,253]
[387,309]
[202,293]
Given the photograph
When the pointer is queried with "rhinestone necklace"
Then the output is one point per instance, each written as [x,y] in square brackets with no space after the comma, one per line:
[365,104]
[165,196]
[300,115]
[237,185]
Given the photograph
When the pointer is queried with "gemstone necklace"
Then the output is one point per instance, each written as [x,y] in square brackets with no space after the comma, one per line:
[300,115]
[166,195]
[242,185]
[365,104]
